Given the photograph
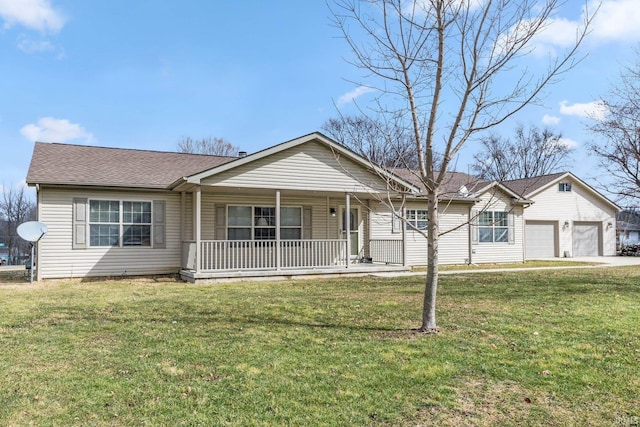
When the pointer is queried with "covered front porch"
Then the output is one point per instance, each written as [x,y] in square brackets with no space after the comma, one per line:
[283,234]
[308,206]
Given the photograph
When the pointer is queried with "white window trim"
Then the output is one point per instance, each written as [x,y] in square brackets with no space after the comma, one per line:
[412,224]
[493,227]
[121,223]
[565,187]
[253,226]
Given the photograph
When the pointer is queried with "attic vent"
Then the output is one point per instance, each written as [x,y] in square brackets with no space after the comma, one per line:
[463,191]
[242,154]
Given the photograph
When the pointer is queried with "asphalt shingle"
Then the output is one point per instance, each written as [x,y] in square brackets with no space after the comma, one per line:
[54,163]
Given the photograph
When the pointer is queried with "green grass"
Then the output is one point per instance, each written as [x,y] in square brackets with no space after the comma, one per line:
[535,348]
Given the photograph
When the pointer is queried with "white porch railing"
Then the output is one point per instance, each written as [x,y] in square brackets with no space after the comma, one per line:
[220,255]
[387,251]
[216,255]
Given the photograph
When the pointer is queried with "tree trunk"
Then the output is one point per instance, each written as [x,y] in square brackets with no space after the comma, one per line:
[431,286]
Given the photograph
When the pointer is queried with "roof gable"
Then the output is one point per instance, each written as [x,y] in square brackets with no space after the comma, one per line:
[530,187]
[311,162]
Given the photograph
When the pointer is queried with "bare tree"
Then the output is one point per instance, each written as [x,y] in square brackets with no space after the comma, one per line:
[445,71]
[374,140]
[531,152]
[210,145]
[16,207]
[618,147]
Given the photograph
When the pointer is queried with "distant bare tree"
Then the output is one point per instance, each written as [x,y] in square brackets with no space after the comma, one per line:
[376,141]
[16,207]
[618,147]
[210,145]
[531,152]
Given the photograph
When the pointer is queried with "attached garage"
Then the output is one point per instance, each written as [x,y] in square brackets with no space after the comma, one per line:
[540,239]
[586,239]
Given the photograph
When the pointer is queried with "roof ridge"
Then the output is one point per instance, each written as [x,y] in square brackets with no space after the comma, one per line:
[134,149]
[537,176]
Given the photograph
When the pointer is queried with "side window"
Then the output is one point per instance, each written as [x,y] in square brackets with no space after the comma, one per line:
[493,227]
[104,223]
[417,219]
[116,223]
[564,187]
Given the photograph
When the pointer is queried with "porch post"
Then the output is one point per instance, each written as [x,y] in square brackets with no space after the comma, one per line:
[347,226]
[182,215]
[197,227]
[404,232]
[278,251]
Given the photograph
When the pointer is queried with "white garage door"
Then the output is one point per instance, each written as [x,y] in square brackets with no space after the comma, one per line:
[540,239]
[586,239]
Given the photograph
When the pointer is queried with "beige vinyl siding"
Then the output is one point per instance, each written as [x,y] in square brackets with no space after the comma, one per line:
[500,252]
[188,219]
[454,246]
[577,205]
[323,225]
[310,166]
[59,260]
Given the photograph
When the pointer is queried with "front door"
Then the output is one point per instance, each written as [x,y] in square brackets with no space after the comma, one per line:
[354,226]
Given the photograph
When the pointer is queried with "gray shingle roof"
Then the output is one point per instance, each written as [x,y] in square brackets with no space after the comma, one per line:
[54,163]
[526,186]
[451,185]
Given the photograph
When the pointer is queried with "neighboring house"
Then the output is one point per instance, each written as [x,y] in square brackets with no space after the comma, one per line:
[306,206]
[568,218]
[628,228]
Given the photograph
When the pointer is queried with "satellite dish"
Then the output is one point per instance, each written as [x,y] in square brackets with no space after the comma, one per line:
[463,191]
[32,231]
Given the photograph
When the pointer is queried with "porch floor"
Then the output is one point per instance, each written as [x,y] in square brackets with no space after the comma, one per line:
[289,273]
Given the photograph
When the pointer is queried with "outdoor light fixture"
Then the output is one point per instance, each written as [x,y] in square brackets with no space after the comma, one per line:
[332,211]
[566,225]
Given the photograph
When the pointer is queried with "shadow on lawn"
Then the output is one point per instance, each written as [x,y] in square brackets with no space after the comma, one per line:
[14,276]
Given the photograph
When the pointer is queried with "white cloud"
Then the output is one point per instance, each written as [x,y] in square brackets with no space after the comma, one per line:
[559,33]
[354,94]
[34,46]
[593,110]
[30,46]
[49,129]
[36,15]
[616,20]
[568,143]
[550,120]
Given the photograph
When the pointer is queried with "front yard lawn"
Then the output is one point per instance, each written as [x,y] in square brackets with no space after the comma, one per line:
[516,348]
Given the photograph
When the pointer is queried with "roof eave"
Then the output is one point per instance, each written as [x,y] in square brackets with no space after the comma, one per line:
[96,185]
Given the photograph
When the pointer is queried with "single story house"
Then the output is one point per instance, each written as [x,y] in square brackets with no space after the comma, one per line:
[306,206]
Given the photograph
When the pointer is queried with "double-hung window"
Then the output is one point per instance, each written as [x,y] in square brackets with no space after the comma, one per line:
[417,219]
[119,223]
[259,223]
[136,223]
[493,227]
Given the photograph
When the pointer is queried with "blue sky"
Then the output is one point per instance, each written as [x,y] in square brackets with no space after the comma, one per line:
[143,74]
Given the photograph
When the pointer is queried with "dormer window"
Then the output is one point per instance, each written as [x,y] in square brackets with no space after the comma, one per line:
[564,187]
